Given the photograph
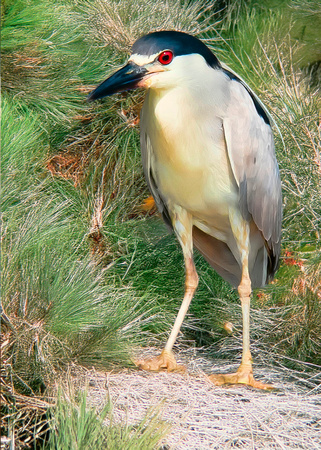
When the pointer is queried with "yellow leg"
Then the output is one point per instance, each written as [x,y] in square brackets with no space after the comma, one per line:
[191,282]
[166,361]
[244,374]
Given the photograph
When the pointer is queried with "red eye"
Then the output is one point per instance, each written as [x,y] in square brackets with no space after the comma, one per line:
[165,57]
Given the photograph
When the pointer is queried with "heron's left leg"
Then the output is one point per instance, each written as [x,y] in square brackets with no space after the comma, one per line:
[182,223]
[244,374]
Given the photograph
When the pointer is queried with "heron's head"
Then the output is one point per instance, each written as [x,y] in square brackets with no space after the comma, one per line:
[160,60]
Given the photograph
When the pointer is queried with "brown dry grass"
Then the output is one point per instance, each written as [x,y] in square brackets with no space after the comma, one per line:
[22,416]
[203,416]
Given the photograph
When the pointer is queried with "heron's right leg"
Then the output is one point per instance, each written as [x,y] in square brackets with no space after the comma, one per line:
[182,223]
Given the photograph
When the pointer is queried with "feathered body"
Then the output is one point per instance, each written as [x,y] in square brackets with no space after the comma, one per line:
[195,165]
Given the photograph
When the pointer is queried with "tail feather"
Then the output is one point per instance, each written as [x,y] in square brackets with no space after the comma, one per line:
[220,257]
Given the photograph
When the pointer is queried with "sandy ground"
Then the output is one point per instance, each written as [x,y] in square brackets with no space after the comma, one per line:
[203,416]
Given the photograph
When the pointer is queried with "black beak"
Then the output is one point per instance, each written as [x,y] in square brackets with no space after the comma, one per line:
[124,79]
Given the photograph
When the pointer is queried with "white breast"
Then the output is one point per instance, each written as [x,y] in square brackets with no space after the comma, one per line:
[189,159]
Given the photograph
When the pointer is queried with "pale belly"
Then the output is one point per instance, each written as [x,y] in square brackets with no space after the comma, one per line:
[202,191]
[190,164]
[198,179]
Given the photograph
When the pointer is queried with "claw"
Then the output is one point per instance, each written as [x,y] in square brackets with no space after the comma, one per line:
[244,375]
[165,361]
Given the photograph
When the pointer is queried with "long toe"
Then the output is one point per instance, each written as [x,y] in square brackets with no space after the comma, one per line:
[244,375]
[165,361]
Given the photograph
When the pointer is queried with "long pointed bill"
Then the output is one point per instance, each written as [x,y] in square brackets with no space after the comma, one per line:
[124,79]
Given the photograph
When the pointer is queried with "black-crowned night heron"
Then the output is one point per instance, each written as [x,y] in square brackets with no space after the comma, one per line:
[208,158]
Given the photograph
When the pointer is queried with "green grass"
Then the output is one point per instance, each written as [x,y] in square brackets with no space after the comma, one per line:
[55,294]
[75,425]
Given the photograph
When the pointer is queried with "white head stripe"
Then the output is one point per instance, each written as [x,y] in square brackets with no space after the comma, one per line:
[142,60]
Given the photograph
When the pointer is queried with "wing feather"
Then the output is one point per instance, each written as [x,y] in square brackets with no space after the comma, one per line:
[146,150]
[250,147]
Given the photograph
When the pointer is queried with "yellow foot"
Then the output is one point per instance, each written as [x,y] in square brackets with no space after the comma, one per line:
[244,375]
[165,361]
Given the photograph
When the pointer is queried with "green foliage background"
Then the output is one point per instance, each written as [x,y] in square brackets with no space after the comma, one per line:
[87,275]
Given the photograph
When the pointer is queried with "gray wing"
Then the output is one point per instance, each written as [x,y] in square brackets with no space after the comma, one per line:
[147,154]
[250,147]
